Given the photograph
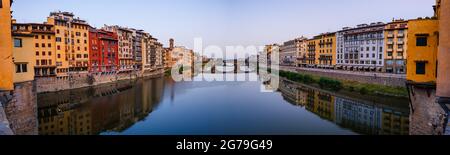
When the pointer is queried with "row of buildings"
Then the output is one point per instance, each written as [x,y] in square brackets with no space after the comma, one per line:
[375,47]
[65,44]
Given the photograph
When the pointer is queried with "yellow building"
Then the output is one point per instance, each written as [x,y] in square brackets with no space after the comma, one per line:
[6,74]
[325,52]
[422,50]
[311,53]
[43,47]
[23,57]
[72,42]
[396,46]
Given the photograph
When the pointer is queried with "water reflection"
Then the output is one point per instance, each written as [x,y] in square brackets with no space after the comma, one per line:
[91,111]
[164,107]
[364,115]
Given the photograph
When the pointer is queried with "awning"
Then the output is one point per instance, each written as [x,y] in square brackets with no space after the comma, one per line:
[360,67]
[372,68]
[366,67]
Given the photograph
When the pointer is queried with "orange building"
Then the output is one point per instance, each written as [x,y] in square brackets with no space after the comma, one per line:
[72,42]
[6,75]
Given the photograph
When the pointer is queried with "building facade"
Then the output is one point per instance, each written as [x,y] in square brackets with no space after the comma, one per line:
[361,48]
[311,52]
[43,46]
[138,51]
[6,75]
[422,50]
[23,56]
[72,42]
[395,53]
[289,52]
[443,14]
[103,53]
[268,51]
[126,55]
[325,53]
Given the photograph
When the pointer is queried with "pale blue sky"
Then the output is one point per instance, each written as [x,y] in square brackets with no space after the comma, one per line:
[228,22]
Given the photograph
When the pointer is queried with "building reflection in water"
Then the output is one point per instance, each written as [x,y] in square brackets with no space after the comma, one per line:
[91,111]
[374,116]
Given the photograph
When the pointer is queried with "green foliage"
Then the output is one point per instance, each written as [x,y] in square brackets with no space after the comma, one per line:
[327,83]
[352,86]
[363,91]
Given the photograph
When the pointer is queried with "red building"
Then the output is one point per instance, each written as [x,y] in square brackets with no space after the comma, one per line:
[103,53]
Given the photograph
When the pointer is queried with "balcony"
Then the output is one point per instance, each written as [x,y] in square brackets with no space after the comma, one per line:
[390,50]
[400,50]
[390,42]
[390,35]
[400,42]
[401,35]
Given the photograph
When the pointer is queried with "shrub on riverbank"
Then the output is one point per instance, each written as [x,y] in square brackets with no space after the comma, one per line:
[327,83]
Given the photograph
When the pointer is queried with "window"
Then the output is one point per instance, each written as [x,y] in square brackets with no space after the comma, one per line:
[1,3]
[49,45]
[400,54]
[37,45]
[59,56]
[42,37]
[43,53]
[58,39]
[49,37]
[21,68]
[43,45]
[57,31]
[37,53]
[420,68]
[389,54]
[50,53]
[37,62]
[58,47]
[421,41]
[17,42]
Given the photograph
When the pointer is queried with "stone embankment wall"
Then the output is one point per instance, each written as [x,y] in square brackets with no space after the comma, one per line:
[81,80]
[367,78]
[427,116]
[4,123]
[21,111]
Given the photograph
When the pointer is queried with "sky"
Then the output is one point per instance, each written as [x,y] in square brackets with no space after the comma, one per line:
[227,22]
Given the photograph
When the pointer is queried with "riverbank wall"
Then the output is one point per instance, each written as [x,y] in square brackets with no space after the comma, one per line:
[4,123]
[367,78]
[81,80]
[429,115]
[18,110]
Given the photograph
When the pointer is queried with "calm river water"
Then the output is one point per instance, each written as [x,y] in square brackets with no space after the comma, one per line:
[163,107]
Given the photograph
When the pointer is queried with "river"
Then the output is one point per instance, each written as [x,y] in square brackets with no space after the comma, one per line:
[161,106]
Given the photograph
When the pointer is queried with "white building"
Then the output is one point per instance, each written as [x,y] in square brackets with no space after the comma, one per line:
[361,48]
